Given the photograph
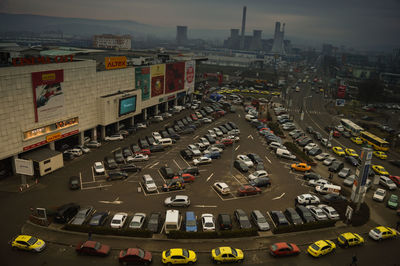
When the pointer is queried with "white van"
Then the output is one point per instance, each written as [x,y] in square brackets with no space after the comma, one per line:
[328,189]
[285,154]
[165,142]
[173,220]
[177,109]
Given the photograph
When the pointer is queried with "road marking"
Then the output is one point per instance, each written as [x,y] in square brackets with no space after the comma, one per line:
[283,194]
[271,219]
[80,178]
[205,206]
[195,137]
[101,186]
[116,201]
[209,177]
[267,159]
[180,168]
[237,147]
[238,115]
[156,163]
[93,174]
[250,137]
[116,149]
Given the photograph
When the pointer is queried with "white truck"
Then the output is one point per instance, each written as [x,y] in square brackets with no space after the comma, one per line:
[173,221]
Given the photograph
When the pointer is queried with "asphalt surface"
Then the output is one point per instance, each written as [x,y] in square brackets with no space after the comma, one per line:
[124,196]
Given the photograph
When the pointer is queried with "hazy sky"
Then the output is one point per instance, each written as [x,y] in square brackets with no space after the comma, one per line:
[366,23]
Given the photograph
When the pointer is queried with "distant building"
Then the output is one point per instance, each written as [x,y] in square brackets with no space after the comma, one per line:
[327,49]
[278,45]
[110,41]
[181,35]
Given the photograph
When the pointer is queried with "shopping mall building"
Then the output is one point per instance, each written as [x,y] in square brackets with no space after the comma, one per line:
[50,101]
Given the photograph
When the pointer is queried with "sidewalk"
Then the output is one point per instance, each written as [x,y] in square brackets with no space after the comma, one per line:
[53,234]
[13,184]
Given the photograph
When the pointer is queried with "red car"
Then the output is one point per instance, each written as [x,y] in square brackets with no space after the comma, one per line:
[227,142]
[145,151]
[336,134]
[395,179]
[248,190]
[92,248]
[284,249]
[135,256]
[221,112]
[194,117]
[187,178]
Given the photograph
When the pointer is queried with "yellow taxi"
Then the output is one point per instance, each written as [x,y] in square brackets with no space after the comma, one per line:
[178,256]
[379,169]
[321,90]
[356,140]
[227,254]
[338,150]
[382,232]
[245,90]
[26,242]
[380,154]
[351,152]
[321,247]
[350,239]
[265,92]
[276,93]
[302,167]
[235,90]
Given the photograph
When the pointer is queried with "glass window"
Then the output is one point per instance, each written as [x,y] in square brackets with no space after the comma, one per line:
[32,240]
[185,253]
[217,251]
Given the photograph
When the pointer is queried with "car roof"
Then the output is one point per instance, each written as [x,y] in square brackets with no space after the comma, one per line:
[23,238]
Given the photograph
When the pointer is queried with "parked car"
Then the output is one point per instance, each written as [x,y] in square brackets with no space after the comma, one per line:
[307,199]
[260,182]
[242,218]
[224,221]
[93,144]
[116,175]
[154,222]
[130,168]
[137,221]
[119,220]
[208,222]
[66,212]
[167,172]
[292,216]
[317,212]
[82,215]
[387,182]
[305,214]
[278,218]
[246,160]
[248,190]
[259,220]
[93,248]
[193,170]
[174,184]
[239,165]
[114,137]
[74,182]
[98,218]
[329,211]
[110,163]
[202,160]
[135,256]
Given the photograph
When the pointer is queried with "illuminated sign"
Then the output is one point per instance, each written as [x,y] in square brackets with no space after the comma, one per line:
[53,137]
[115,62]
[20,61]
[50,128]
[43,142]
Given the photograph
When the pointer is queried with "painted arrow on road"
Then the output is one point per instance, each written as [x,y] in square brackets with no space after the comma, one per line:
[250,136]
[279,196]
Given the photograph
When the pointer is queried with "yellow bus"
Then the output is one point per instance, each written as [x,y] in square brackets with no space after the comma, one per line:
[376,142]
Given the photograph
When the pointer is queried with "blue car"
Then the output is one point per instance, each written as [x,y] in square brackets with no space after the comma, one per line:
[191,223]
[213,155]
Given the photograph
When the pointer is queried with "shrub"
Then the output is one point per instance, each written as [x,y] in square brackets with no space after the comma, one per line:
[213,234]
[304,227]
[358,218]
[299,153]
[102,230]
[275,127]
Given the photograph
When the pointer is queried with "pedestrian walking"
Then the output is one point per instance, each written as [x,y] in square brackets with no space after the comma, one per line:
[89,235]
[354,261]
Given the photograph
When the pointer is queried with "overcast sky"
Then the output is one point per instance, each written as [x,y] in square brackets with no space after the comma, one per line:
[360,23]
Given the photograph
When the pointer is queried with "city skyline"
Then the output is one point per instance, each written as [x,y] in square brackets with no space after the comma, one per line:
[361,24]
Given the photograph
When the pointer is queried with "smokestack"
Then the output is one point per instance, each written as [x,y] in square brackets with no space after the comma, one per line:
[243,27]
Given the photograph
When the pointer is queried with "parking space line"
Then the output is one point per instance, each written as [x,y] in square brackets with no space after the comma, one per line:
[237,147]
[80,178]
[156,163]
[209,177]
[195,137]
[267,159]
[101,186]
[93,174]
[205,206]
[279,197]
[271,219]
[115,149]
[184,160]
[161,176]
[180,168]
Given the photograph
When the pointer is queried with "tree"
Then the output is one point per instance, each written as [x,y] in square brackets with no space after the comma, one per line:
[370,90]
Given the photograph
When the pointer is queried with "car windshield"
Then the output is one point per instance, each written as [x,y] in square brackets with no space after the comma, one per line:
[141,253]
[97,246]
[185,253]
[334,213]
[315,247]
[234,252]
[208,224]
[115,221]
[32,240]
[380,192]
[135,223]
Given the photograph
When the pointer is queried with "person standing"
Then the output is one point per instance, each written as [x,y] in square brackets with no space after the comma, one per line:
[354,260]
[90,235]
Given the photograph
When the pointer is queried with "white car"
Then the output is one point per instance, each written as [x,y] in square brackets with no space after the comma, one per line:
[222,188]
[246,160]
[93,144]
[234,138]
[212,133]
[199,115]
[156,135]
[339,128]
[137,220]
[205,141]
[250,117]
[83,148]
[141,125]
[318,213]
[114,137]
[310,146]
[307,199]
[256,174]
[158,118]
[194,149]
[119,220]
[276,145]
[213,149]
[149,184]
[207,120]
[207,221]
[345,172]
[139,157]
[234,132]
[194,106]
[218,132]
[379,195]
[326,143]
[330,212]
[75,151]
[177,201]
[387,182]
[322,156]
[202,160]
[318,182]
[99,168]
[328,161]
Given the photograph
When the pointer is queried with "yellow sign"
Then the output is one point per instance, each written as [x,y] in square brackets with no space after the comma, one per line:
[157,70]
[115,62]
[49,76]
[53,137]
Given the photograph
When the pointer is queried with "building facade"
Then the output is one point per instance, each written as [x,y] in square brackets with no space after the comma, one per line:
[110,41]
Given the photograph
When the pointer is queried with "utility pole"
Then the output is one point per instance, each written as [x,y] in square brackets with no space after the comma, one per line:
[359,186]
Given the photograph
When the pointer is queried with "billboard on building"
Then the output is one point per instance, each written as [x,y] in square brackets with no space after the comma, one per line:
[189,75]
[48,95]
[24,167]
[341,93]
[142,79]
[115,62]
[127,105]
[157,73]
[175,77]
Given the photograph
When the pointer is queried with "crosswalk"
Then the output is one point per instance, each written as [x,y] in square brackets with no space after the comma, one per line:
[297,110]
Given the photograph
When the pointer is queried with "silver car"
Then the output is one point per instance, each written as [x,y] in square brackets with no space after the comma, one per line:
[177,201]
[259,219]
[149,183]
[82,215]
[137,220]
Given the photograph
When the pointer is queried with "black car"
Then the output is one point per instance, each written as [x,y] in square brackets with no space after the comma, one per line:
[184,121]
[126,151]
[255,158]
[156,148]
[329,198]
[68,156]
[187,154]
[242,167]
[164,134]
[233,125]
[119,157]
[305,214]
[311,176]
[177,128]
[224,221]
[167,172]
[304,142]
[130,168]
[228,127]
[154,222]
[242,219]
[223,129]
[336,166]
[317,135]
[187,130]
[351,160]
[110,163]
[193,170]
[310,130]
[315,151]
[150,140]
[66,212]
[260,182]
[219,145]
[180,124]
[116,175]
[98,219]
[279,218]
[74,182]
[293,217]
[210,139]
[143,143]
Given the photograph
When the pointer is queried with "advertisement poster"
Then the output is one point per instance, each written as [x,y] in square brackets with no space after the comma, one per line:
[175,77]
[115,62]
[48,95]
[142,79]
[157,79]
[189,76]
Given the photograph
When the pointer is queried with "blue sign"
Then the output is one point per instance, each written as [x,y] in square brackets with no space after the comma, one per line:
[365,175]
